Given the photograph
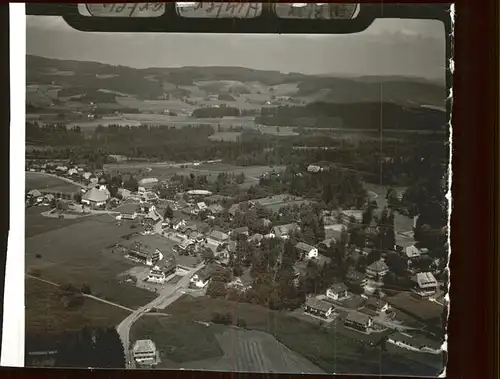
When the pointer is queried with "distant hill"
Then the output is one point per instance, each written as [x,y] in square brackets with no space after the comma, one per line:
[78,77]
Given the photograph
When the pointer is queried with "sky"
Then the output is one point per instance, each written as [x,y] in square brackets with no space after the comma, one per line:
[387,47]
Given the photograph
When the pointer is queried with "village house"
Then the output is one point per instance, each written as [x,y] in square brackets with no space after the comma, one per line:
[356,278]
[318,308]
[72,171]
[307,251]
[147,184]
[376,306]
[201,206]
[415,342]
[347,215]
[313,168]
[152,222]
[425,284]
[202,277]
[128,211]
[217,238]
[87,175]
[144,352]
[412,254]
[337,292]
[240,231]
[156,275]
[95,198]
[358,322]
[169,265]
[215,209]
[48,198]
[284,231]
[377,270]
[187,245]
[144,254]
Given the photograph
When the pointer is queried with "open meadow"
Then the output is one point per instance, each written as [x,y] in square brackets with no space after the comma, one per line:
[47,313]
[78,253]
[327,348]
[44,182]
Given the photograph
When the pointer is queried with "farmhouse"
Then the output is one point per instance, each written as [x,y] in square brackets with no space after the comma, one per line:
[156,275]
[359,322]
[169,265]
[144,254]
[414,342]
[284,231]
[201,278]
[313,168]
[145,352]
[95,198]
[147,184]
[318,308]
[348,215]
[356,278]
[337,291]
[425,284]
[215,209]
[201,206]
[128,211]
[152,222]
[377,269]
[307,251]
[217,238]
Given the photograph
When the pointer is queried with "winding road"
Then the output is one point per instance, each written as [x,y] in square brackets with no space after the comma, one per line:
[167,296]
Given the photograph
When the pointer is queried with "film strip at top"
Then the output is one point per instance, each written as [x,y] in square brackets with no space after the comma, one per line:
[235,10]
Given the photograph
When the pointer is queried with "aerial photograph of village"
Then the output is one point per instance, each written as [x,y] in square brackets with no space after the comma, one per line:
[243,203]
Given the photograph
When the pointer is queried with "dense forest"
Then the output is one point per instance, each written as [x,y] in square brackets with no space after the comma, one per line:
[396,161]
[374,115]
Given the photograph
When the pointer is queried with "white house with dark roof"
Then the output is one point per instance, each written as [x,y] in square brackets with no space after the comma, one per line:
[318,308]
[376,306]
[425,284]
[144,352]
[377,269]
[217,238]
[284,231]
[337,291]
[358,322]
[307,251]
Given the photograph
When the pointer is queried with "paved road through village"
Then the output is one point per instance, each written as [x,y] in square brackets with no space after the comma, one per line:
[167,296]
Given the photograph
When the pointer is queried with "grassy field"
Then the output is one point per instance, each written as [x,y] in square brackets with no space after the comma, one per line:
[43,182]
[36,224]
[327,348]
[211,170]
[177,340]
[77,254]
[46,314]
[225,136]
[154,105]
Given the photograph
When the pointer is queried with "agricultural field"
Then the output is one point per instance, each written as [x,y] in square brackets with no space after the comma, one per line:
[225,136]
[326,348]
[178,340]
[47,314]
[83,257]
[44,182]
[36,224]
[280,131]
[154,105]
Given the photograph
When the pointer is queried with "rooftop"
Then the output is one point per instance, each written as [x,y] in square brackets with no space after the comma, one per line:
[338,287]
[282,230]
[378,266]
[358,318]
[304,246]
[426,280]
[318,304]
[95,195]
[144,346]
[218,235]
